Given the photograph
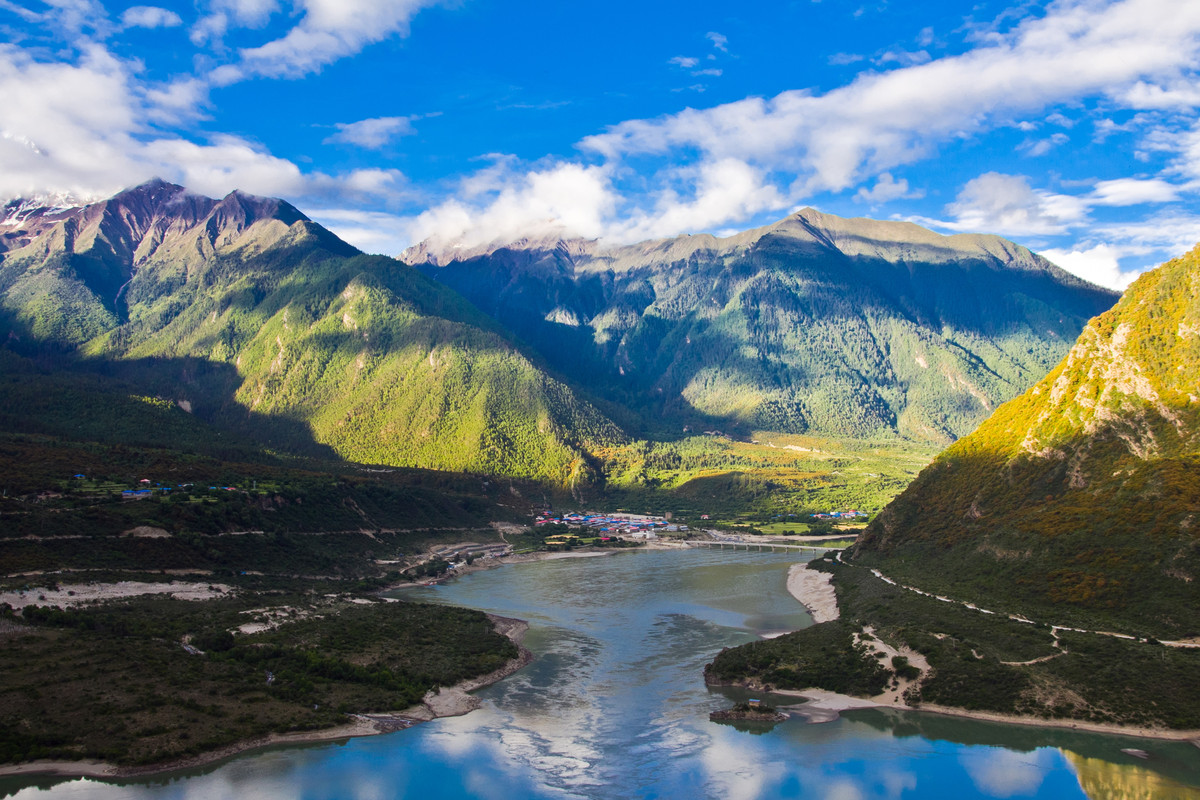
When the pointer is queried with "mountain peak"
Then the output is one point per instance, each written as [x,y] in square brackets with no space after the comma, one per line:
[892,241]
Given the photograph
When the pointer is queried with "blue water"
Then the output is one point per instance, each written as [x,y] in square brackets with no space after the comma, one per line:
[615,706]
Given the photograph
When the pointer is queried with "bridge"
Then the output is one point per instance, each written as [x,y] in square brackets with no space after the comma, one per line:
[766,546]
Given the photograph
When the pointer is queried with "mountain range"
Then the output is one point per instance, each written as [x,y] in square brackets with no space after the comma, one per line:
[532,359]
[815,324]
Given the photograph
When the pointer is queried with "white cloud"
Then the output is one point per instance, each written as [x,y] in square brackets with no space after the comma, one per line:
[842,59]
[224,14]
[719,41]
[886,188]
[1100,265]
[1007,204]
[1176,95]
[328,31]
[370,231]
[63,127]
[372,133]
[1171,234]
[150,17]
[686,62]
[77,18]
[497,204]
[85,129]
[729,162]
[182,100]
[1185,145]
[883,120]
[1114,255]
[719,191]
[904,58]
[226,164]
[1132,191]
[1043,146]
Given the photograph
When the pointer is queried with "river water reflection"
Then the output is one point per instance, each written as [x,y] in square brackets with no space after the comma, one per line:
[614,706]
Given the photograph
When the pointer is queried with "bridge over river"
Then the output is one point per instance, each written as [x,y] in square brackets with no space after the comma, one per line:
[733,544]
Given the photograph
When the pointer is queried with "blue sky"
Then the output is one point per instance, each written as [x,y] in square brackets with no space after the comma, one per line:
[1069,126]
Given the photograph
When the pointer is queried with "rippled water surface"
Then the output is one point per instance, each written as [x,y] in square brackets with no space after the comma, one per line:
[615,706]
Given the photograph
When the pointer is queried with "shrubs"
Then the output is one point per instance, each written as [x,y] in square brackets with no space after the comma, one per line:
[823,656]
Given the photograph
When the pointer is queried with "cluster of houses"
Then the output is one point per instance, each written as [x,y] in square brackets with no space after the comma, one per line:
[146,489]
[606,526]
[851,514]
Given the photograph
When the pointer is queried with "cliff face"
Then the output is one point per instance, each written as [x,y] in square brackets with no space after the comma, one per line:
[850,327]
[1085,491]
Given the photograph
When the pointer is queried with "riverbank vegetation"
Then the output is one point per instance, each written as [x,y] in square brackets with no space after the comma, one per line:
[284,559]
[977,662]
[152,679]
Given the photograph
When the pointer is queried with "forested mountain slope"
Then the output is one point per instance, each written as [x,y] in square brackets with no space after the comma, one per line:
[817,324]
[1081,498]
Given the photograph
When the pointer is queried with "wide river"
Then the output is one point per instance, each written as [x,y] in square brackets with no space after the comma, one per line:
[615,706]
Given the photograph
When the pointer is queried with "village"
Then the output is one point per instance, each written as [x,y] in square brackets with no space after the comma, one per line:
[610,527]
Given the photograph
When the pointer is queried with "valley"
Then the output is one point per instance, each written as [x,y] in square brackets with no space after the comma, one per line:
[473,400]
[255,406]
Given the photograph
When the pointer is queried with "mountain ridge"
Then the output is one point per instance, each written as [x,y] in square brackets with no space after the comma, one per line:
[251,315]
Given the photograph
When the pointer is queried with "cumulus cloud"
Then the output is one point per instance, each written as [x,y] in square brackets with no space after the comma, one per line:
[499,204]
[86,129]
[1100,264]
[717,191]
[883,120]
[686,62]
[372,133]
[150,17]
[1007,204]
[729,162]
[1114,254]
[1171,95]
[886,188]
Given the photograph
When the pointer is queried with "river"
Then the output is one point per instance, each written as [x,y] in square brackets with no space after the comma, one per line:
[615,706]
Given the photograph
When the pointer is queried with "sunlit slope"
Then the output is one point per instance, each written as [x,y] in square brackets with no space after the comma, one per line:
[1081,498]
[260,321]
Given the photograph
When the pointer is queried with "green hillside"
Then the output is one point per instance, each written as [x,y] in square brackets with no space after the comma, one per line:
[1079,500]
[266,326]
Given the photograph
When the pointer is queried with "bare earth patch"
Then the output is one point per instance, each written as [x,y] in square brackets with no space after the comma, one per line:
[148,532]
[815,592]
[75,594]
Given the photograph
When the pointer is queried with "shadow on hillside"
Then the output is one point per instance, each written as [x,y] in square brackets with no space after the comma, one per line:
[182,404]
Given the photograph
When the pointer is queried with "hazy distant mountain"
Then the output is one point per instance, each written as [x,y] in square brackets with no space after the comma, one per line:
[260,321]
[1083,494]
[819,324]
